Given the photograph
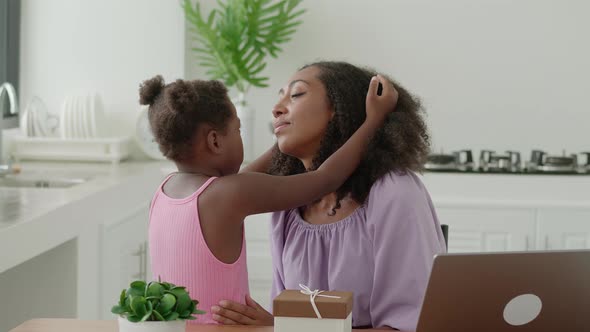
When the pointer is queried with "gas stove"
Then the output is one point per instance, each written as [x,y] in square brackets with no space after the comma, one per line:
[509,162]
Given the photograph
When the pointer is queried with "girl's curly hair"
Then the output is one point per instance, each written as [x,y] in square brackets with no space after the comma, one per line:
[401,144]
[177,109]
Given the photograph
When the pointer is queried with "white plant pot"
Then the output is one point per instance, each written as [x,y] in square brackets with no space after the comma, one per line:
[153,326]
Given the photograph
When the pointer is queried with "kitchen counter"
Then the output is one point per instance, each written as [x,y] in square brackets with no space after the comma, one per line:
[34,220]
[506,190]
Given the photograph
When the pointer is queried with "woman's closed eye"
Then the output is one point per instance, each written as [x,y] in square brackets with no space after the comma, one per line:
[295,95]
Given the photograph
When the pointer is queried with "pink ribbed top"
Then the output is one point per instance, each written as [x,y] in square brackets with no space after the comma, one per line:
[179,254]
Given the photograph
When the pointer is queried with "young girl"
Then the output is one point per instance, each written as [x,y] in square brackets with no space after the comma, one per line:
[196,230]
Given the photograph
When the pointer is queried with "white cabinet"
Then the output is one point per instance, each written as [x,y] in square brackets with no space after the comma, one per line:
[483,229]
[125,256]
[259,257]
[503,228]
[563,228]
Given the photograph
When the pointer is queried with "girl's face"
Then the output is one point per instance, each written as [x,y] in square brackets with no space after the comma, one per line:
[233,143]
[302,114]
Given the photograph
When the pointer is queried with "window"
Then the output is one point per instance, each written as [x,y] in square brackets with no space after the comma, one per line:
[9,47]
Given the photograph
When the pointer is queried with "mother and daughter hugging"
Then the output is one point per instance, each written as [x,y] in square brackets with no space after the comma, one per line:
[349,213]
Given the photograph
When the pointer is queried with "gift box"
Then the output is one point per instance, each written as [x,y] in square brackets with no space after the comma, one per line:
[313,310]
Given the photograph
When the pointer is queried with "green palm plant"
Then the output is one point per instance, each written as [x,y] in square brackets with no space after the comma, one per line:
[236,38]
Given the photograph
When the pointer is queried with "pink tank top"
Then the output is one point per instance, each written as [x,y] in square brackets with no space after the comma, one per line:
[179,254]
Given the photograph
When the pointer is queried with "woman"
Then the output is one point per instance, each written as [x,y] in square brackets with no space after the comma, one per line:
[375,236]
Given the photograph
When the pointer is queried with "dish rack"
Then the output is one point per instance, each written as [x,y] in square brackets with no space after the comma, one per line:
[49,148]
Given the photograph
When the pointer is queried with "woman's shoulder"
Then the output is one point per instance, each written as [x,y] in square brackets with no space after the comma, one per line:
[397,184]
[284,216]
[397,194]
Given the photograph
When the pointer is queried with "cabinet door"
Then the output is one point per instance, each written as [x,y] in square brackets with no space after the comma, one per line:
[561,228]
[124,248]
[259,257]
[484,229]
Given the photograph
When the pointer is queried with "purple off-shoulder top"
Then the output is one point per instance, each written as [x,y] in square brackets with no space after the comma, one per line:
[382,252]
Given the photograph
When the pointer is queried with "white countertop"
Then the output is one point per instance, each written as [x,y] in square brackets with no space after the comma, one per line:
[34,220]
[18,205]
[496,190]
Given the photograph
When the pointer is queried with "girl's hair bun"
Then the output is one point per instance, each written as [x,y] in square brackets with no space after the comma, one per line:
[182,95]
[150,89]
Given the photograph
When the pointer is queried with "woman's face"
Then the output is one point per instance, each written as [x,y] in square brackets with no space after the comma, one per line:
[302,114]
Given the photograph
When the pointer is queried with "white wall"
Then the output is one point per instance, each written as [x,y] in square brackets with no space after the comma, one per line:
[108,46]
[496,74]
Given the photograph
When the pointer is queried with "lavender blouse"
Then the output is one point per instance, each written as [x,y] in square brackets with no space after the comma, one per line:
[382,252]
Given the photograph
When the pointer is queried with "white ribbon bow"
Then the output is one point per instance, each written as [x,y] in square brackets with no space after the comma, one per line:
[312,295]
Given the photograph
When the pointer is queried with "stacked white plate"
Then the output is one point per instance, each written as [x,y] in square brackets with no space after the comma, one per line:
[36,121]
[80,133]
[82,117]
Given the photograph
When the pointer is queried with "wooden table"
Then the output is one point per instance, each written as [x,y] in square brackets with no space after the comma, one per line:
[76,325]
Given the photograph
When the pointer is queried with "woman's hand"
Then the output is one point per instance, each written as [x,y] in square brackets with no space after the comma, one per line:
[378,106]
[233,313]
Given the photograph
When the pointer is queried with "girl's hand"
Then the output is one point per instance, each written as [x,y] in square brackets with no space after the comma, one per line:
[378,106]
[233,313]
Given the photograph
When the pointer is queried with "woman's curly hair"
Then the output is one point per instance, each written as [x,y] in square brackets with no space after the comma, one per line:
[177,109]
[401,144]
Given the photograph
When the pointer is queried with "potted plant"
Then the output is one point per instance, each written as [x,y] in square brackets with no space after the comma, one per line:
[235,40]
[155,306]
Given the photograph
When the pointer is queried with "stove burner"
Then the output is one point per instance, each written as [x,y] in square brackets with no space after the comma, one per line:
[441,159]
[542,163]
[560,161]
[489,161]
[460,161]
[509,162]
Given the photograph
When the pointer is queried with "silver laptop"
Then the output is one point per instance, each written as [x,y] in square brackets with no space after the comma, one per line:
[509,291]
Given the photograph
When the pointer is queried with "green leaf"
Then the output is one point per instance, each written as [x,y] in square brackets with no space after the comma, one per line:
[296,15]
[133,318]
[166,303]
[122,297]
[154,289]
[178,290]
[183,302]
[133,291]
[172,316]
[199,312]
[118,310]
[138,306]
[185,314]
[157,315]
[211,18]
[150,308]
[139,284]
[145,317]
[154,302]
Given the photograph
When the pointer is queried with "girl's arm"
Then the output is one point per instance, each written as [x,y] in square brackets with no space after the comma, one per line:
[252,193]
